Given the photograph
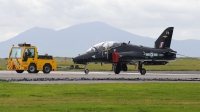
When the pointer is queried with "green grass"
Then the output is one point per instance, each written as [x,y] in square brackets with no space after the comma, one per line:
[136,97]
[3,63]
[185,64]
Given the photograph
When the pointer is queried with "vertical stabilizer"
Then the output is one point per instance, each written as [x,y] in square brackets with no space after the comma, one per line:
[164,40]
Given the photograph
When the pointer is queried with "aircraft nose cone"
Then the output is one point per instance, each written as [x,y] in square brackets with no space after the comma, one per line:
[78,60]
[75,60]
[81,59]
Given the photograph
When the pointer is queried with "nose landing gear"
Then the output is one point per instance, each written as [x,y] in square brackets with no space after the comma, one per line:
[86,70]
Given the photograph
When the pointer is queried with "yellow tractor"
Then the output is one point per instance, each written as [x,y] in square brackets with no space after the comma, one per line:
[25,57]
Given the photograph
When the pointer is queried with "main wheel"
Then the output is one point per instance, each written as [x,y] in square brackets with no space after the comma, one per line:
[117,69]
[19,71]
[143,71]
[47,68]
[86,71]
[32,68]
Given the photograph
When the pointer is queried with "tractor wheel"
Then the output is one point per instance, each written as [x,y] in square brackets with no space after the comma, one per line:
[32,68]
[36,71]
[19,71]
[47,68]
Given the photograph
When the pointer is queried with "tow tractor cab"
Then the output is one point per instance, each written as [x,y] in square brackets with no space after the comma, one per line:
[25,57]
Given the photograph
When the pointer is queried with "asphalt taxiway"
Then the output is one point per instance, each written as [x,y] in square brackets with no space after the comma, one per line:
[57,77]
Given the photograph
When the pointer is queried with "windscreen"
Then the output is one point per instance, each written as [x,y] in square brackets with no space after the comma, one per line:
[16,52]
[104,46]
[95,48]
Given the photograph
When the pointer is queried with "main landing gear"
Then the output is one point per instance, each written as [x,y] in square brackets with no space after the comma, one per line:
[117,67]
[142,70]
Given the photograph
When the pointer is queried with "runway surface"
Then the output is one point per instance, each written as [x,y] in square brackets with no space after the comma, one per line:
[59,77]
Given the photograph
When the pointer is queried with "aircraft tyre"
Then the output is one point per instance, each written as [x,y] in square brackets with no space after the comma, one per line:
[117,68]
[117,71]
[142,71]
[19,71]
[86,71]
[31,68]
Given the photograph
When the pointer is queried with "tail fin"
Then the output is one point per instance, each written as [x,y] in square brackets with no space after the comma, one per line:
[164,40]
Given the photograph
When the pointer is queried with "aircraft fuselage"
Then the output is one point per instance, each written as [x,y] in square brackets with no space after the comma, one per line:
[127,53]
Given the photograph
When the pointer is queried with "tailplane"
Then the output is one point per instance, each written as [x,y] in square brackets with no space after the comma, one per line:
[164,40]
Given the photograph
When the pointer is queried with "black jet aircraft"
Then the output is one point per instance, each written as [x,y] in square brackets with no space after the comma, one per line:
[120,54]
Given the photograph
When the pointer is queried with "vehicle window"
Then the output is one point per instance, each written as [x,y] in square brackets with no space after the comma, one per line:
[16,52]
[30,52]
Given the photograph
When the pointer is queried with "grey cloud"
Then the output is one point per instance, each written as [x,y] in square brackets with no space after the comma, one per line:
[135,16]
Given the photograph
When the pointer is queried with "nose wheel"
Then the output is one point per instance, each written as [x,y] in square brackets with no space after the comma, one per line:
[140,69]
[86,70]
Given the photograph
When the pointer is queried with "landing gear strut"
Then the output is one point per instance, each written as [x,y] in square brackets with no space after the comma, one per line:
[142,70]
[86,70]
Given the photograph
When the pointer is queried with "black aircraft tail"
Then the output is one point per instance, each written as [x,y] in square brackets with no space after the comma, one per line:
[164,40]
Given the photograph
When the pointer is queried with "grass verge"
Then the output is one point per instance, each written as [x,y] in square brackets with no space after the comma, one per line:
[137,97]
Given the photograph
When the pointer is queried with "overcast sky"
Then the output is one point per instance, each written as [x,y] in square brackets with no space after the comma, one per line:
[142,17]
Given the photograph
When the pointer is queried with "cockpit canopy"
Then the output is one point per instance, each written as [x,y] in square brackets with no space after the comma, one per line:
[103,46]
